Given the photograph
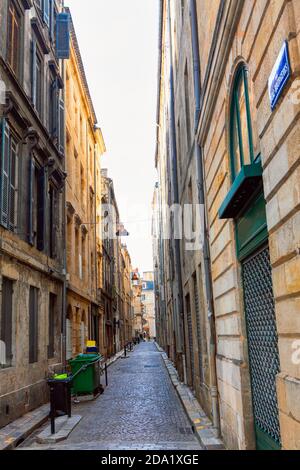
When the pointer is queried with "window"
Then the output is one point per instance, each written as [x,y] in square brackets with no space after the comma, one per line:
[8,177]
[56,113]
[241,136]
[13,38]
[83,258]
[36,77]
[187,107]
[37,205]
[53,106]
[52,324]
[46,12]
[54,220]
[33,325]
[6,325]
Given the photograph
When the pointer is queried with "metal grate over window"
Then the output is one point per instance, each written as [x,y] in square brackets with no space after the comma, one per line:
[262,341]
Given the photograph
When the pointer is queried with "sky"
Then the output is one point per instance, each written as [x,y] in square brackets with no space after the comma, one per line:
[118,40]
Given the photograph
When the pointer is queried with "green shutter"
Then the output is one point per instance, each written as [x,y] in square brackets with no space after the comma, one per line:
[13,184]
[4,174]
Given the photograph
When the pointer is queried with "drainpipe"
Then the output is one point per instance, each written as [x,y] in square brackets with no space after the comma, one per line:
[176,195]
[64,290]
[201,198]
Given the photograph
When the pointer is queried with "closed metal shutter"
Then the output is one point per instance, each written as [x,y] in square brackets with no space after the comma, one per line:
[190,336]
[198,321]
[262,344]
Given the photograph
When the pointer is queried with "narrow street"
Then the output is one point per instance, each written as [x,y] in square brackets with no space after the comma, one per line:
[139,410]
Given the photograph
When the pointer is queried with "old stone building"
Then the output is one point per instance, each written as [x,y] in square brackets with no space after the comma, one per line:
[114,266]
[127,296]
[138,308]
[235,65]
[148,301]
[84,148]
[32,178]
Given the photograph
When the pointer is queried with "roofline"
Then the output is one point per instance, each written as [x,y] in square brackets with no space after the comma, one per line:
[81,66]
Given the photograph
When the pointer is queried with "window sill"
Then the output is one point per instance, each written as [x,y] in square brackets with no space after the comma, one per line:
[245,185]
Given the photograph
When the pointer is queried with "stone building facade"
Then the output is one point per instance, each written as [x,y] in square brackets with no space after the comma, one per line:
[127,295]
[84,148]
[246,165]
[148,300]
[32,178]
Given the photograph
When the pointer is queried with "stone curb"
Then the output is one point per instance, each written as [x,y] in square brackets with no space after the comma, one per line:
[20,429]
[202,425]
[64,426]
[17,431]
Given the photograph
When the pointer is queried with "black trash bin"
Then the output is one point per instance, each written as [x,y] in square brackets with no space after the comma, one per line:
[60,398]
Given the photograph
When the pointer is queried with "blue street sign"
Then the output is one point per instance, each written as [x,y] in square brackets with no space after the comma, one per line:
[280,74]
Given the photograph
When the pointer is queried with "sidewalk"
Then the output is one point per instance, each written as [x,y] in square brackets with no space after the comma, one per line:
[202,425]
[16,432]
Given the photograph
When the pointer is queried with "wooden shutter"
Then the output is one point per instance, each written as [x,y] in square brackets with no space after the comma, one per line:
[33,72]
[46,12]
[52,20]
[54,108]
[4,174]
[13,185]
[51,328]
[33,325]
[62,36]
[31,200]
[61,119]
[41,209]
[6,318]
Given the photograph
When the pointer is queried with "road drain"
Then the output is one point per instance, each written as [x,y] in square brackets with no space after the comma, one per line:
[186,431]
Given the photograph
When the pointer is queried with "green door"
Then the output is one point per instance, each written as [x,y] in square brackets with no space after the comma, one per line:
[263,347]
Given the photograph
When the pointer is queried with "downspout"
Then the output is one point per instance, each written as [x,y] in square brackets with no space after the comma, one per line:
[176,195]
[201,198]
[64,243]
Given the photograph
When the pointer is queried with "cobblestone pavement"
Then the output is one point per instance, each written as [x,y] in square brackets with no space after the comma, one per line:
[140,409]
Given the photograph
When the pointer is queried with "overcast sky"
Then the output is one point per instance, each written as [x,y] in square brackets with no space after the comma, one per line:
[118,40]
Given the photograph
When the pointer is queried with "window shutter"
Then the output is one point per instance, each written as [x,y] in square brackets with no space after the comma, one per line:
[6,318]
[52,20]
[54,108]
[46,12]
[63,36]
[13,185]
[31,200]
[42,198]
[4,174]
[61,120]
[33,72]
[33,325]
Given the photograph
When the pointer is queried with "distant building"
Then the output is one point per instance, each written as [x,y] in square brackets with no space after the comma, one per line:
[148,300]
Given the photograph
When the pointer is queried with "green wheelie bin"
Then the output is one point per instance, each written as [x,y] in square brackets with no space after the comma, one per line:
[86,382]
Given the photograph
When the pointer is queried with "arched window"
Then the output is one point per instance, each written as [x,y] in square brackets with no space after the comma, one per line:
[241,135]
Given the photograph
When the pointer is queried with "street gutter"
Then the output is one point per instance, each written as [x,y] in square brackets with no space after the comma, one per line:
[203,428]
